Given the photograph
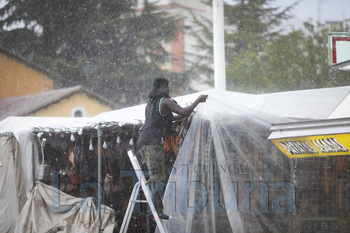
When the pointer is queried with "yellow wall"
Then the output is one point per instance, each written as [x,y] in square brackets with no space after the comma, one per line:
[17,79]
[64,107]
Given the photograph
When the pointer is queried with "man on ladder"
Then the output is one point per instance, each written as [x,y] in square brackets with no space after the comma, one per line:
[159,117]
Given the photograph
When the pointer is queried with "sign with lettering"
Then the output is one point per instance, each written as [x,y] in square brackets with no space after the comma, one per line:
[314,146]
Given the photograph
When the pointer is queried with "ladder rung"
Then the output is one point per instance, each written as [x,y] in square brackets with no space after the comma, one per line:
[141,185]
[138,201]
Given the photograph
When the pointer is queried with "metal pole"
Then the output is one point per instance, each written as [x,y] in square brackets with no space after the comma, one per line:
[219,45]
[33,138]
[99,178]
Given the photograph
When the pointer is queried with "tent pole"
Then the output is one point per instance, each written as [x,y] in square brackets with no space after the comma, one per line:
[99,188]
[33,158]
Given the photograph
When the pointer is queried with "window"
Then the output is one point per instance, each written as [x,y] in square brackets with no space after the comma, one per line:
[78,111]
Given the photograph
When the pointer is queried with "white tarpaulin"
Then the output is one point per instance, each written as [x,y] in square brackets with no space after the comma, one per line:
[12,183]
[22,128]
[50,210]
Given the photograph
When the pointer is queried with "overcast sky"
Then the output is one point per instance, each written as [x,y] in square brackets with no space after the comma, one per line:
[322,10]
[306,10]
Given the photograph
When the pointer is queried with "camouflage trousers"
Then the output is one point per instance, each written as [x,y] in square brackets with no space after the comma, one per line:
[153,155]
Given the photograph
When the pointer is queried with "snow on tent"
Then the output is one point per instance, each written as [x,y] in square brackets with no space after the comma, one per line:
[227,175]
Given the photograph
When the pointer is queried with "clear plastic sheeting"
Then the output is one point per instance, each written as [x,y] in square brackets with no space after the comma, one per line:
[229,178]
[50,210]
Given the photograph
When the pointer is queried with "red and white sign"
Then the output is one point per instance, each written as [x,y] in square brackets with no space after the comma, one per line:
[338,47]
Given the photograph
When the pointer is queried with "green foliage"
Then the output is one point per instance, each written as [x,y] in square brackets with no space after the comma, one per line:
[105,45]
[253,22]
[261,59]
[201,31]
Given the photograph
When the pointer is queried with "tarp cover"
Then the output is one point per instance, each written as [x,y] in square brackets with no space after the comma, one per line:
[12,183]
[22,128]
[44,213]
[229,178]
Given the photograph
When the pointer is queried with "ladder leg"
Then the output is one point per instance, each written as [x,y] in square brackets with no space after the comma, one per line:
[130,208]
[147,193]
[145,190]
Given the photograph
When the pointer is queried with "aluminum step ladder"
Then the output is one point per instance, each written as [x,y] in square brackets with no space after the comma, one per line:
[134,194]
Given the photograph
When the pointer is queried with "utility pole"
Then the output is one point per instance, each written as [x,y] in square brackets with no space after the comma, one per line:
[219,45]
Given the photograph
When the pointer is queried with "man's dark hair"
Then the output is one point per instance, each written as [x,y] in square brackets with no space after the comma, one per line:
[157,83]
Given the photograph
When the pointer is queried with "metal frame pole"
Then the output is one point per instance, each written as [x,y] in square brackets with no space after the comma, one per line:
[219,45]
[99,178]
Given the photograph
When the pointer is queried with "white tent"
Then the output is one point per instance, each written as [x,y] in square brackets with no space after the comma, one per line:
[317,104]
[18,172]
[307,104]
[22,128]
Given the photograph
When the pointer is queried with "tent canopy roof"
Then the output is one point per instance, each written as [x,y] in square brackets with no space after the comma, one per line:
[305,104]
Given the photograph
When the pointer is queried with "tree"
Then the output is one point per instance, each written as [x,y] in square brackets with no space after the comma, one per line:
[299,60]
[262,59]
[201,30]
[108,46]
[252,24]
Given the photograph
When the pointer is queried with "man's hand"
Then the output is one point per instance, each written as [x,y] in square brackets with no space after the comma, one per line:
[202,98]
